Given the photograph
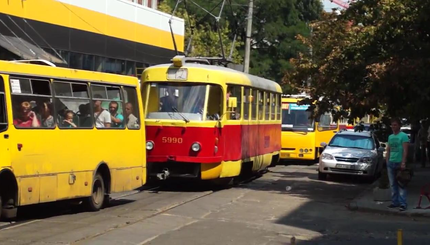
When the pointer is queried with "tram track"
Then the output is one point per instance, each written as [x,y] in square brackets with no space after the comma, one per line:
[149,189]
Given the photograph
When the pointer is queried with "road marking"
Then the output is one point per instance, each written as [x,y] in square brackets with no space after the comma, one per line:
[16,225]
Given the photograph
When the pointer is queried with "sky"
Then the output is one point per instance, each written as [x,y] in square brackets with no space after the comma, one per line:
[329,5]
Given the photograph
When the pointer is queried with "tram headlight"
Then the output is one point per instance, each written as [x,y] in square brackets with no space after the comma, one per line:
[306,150]
[196,146]
[149,145]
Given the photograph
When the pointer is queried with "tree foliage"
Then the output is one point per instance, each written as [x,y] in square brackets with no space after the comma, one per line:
[205,37]
[275,25]
[372,56]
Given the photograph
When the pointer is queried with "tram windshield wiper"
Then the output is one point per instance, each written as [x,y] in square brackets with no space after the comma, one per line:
[180,114]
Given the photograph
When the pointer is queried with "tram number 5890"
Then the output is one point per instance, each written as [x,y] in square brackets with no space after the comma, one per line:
[172,140]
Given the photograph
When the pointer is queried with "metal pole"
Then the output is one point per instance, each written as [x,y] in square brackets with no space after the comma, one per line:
[399,237]
[248,37]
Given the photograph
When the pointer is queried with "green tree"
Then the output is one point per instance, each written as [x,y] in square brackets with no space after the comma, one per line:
[205,37]
[275,26]
[372,56]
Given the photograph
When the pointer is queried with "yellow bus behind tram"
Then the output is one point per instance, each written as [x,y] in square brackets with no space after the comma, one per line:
[67,134]
[301,135]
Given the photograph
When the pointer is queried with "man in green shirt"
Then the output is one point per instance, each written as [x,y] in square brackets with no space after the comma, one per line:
[397,151]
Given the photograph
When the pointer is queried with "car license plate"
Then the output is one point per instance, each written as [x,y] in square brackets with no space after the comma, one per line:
[344,166]
[285,155]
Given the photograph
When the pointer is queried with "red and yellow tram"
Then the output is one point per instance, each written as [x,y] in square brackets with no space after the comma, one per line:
[209,122]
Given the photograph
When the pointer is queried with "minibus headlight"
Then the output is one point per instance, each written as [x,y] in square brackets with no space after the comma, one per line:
[149,145]
[196,146]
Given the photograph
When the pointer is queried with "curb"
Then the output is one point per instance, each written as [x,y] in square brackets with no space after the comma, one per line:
[354,206]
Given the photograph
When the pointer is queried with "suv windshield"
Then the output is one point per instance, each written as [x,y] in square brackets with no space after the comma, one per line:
[352,141]
[296,118]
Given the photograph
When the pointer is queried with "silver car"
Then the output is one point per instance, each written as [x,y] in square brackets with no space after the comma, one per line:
[352,153]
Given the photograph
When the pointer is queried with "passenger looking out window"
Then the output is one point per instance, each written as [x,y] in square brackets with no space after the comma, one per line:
[101,116]
[26,117]
[116,118]
[68,119]
[131,119]
[45,111]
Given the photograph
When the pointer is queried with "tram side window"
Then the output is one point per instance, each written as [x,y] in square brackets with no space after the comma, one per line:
[272,107]
[3,111]
[32,103]
[278,107]
[236,92]
[131,114]
[260,105]
[267,106]
[246,103]
[72,105]
[254,104]
[215,103]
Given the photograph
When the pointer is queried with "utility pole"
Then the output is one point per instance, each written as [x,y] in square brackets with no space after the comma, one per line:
[248,37]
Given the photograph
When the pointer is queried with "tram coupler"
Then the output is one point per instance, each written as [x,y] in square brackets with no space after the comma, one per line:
[164,174]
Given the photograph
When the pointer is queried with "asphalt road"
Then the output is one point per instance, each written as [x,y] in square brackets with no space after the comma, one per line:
[288,201]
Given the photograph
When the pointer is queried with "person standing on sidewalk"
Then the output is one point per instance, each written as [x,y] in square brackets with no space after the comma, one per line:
[397,152]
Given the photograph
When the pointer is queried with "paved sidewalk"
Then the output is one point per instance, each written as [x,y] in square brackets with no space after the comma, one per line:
[365,201]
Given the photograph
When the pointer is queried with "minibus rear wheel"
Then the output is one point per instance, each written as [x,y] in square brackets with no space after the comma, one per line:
[96,200]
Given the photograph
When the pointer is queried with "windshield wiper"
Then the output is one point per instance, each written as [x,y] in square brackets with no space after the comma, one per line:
[180,114]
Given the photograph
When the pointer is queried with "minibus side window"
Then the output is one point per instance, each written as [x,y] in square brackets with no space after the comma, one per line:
[131,114]
[3,111]
[278,106]
[32,103]
[72,105]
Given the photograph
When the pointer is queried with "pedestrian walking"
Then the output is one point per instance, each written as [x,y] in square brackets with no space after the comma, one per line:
[397,151]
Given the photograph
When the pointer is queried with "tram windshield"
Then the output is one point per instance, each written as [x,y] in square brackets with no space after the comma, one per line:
[177,101]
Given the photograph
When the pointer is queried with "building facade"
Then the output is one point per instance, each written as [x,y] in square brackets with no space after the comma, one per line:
[115,36]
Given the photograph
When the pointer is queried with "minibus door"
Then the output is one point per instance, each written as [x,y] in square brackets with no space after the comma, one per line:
[4,136]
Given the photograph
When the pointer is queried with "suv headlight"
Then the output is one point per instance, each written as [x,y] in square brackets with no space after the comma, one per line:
[365,160]
[326,156]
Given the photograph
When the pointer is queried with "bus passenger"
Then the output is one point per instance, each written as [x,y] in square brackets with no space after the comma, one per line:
[27,118]
[101,116]
[46,115]
[131,119]
[117,119]
[68,119]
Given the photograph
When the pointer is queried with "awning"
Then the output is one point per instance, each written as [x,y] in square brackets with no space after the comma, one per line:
[26,50]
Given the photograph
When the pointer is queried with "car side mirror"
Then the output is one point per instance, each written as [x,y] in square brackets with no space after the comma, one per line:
[323,144]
